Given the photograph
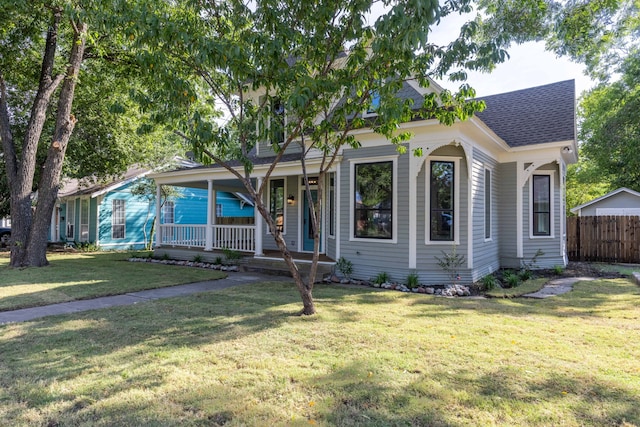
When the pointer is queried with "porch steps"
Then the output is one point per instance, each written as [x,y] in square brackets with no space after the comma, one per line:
[278,267]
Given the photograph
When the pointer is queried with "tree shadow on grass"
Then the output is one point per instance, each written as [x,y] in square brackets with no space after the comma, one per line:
[451,398]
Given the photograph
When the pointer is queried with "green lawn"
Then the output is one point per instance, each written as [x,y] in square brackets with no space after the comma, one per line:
[371,358]
[87,275]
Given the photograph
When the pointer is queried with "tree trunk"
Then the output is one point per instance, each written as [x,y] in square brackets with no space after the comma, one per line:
[305,289]
[30,228]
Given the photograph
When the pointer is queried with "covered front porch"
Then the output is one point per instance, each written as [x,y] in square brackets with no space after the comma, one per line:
[284,195]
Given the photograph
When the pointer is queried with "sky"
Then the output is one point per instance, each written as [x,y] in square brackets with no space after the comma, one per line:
[529,65]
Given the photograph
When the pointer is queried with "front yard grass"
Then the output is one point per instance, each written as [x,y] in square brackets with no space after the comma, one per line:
[87,275]
[242,357]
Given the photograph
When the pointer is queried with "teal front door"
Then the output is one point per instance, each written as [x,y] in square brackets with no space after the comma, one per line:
[307,225]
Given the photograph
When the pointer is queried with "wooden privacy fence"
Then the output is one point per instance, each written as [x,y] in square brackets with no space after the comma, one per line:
[604,238]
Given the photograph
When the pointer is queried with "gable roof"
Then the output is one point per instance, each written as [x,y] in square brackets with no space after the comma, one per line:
[87,186]
[536,115]
[606,196]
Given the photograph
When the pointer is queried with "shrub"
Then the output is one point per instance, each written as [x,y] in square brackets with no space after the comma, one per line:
[558,270]
[381,278]
[231,256]
[345,267]
[450,263]
[413,281]
[525,274]
[489,282]
[197,258]
[218,260]
[510,279]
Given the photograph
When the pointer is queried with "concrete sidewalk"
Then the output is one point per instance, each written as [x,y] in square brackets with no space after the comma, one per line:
[235,279]
[557,287]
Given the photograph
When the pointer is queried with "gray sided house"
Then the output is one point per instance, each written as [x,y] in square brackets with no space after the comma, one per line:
[490,188]
[110,216]
[620,202]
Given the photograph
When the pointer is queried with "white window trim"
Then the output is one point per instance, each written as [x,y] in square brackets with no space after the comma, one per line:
[124,224]
[88,208]
[551,202]
[173,211]
[491,208]
[394,205]
[328,203]
[72,221]
[284,208]
[456,200]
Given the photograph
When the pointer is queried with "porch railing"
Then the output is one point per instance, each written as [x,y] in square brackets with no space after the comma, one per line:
[235,237]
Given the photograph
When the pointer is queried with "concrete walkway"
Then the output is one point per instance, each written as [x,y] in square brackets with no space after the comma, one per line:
[234,279]
[557,287]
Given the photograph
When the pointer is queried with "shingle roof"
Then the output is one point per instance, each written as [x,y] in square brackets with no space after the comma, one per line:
[80,187]
[532,116]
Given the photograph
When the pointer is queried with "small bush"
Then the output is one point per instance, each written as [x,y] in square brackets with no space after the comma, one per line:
[218,260]
[489,282]
[558,270]
[231,257]
[511,279]
[198,258]
[87,247]
[413,281]
[165,256]
[345,267]
[381,278]
[525,274]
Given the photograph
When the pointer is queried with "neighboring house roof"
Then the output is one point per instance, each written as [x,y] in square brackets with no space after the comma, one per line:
[606,196]
[87,186]
[532,116]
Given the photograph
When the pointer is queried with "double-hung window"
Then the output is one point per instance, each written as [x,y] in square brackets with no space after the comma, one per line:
[373,200]
[168,212]
[541,205]
[84,220]
[118,216]
[71,219]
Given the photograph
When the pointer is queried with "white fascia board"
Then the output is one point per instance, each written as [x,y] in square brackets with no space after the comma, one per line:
[118,185]
[606,196]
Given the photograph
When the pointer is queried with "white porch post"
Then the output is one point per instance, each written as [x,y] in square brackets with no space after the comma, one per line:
[158,231]
[208,246]
[414,167]
[258,223]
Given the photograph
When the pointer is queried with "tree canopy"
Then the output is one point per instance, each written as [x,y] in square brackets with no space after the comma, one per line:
[324,63]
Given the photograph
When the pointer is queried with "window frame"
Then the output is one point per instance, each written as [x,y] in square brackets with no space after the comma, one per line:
[165,208]
[394,201]
[284,204]
[71,223]
[456,200]
[114,219]
[85,213]
[331,204]
[488,204]
[551,175]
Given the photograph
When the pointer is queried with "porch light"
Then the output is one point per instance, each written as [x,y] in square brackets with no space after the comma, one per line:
[291,200]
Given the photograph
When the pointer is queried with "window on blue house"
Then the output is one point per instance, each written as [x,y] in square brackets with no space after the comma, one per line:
[118,217]
[219,212]
[84,220]
[168,212]
[71,219]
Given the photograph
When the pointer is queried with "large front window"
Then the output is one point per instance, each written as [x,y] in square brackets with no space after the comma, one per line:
[276,202]
[541,189]
[84,220]
[442,210]
[373,200]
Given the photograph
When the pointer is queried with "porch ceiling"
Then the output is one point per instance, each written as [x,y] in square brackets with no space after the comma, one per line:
[229,185]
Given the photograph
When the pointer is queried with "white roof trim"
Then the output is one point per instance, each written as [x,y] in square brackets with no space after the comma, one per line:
[118,185]
[606,196]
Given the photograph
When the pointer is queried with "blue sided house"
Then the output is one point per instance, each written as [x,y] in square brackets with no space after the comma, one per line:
[111,217]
